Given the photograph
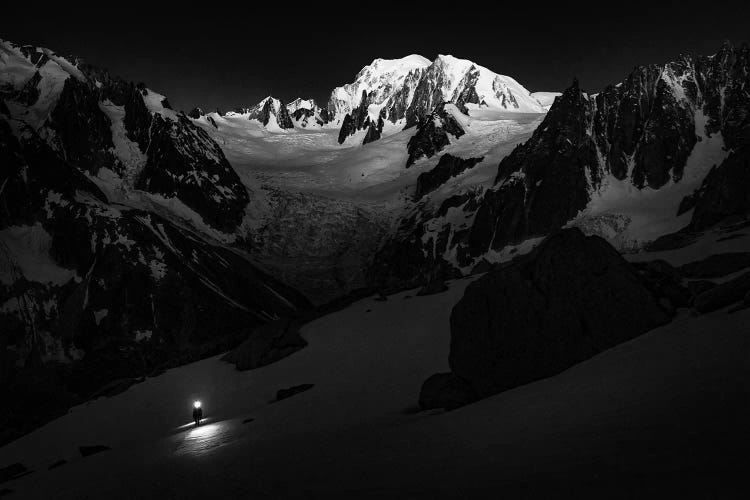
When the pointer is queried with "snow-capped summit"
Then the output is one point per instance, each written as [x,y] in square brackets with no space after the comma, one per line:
[411,87]
[271,112]
[381,80]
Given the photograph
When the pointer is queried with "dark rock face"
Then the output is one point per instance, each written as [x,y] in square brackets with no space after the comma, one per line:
[267,344]
[647,120]
[82,129]
[374,131]
[641,131]
[448,166]
[445,390]
[723,295]
[130,291]
[406,261]
[359,119]
[30,91]
[283,117]
[432,135]
[569,299]
[466,91]
[399,102]
[185,163]
[724,192]
[263,114]
[428,94]
[305,116]
[542,184]
[182,161]
[347,128]
[195,113]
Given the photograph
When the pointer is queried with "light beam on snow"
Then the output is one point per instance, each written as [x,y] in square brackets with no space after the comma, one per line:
[204,438]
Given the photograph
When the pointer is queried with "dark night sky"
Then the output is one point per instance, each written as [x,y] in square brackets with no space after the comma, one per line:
[229,57]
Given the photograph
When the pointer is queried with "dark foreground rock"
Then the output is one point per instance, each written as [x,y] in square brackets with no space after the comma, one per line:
[723,295]
[665,283]
[569,299]
[723,192]
[445,390]
[291,391]
[267,344]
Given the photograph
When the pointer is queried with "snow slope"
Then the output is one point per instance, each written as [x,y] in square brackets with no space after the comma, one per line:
[664,398]
[381,79]
[545,98]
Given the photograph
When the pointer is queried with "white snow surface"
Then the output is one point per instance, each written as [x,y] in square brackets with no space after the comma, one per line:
[546,99]
[356,434]
[385,77]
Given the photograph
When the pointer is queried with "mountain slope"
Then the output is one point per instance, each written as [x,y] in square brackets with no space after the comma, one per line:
[410,88]
[109,259]
[618,164]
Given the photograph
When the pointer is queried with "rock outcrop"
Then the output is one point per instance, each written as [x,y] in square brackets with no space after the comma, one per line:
[448,166]
[359,119]
[94,290]
[724,192]
[433,133]
[634,136]
[267,344]
[569,299]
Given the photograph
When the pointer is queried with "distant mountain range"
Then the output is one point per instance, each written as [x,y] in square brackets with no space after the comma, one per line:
[401,91]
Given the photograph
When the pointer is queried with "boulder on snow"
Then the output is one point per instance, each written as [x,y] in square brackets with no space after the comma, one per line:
[13,471]
[291,391]
[57,464]
[723,294]
[570,298]
[267,344]
[92,450]
[445,390]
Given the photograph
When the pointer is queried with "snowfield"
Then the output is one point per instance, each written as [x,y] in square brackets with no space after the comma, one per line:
[677,395]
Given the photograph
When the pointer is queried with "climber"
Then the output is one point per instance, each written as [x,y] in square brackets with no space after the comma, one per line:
[197,412]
